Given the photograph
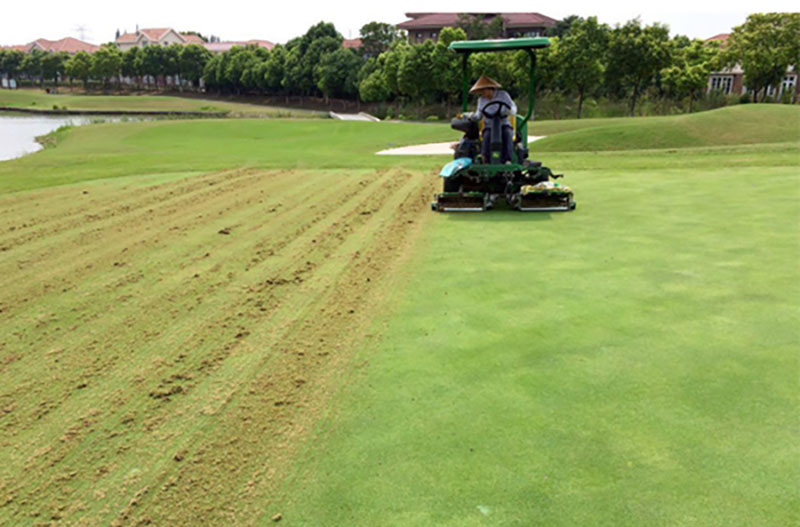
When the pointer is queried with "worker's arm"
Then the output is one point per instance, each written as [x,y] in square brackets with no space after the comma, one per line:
[480,106]
[506,98]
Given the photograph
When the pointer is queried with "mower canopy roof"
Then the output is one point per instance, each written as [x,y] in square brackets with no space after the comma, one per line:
[477,46]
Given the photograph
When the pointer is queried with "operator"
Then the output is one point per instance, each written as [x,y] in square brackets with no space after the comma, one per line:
[489,90]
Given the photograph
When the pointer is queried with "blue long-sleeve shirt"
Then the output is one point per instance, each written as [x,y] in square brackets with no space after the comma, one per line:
[499,95]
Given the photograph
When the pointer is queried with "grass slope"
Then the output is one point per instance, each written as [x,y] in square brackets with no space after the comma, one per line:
[29,98]
[155,147]
[734,125]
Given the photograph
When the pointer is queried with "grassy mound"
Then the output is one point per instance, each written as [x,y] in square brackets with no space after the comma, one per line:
[38,99]
[735,125]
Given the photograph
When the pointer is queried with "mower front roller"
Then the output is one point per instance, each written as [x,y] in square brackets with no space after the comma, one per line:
[460,202]
[543,202]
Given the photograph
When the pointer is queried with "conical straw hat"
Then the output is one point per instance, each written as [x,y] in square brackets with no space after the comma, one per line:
[485,82]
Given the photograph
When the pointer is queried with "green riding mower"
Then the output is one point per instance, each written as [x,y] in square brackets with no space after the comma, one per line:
[473,183]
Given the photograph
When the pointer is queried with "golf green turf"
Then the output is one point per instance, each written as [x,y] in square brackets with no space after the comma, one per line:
[631,363]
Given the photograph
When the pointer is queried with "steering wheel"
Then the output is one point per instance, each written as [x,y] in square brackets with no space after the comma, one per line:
[500,106]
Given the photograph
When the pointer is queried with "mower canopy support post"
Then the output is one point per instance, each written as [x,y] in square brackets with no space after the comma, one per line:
[523,125]
[464,81]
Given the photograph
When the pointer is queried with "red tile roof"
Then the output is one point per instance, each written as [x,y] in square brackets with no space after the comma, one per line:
[352,43]
[221,47]
[193,39]
[722,36]
[68,44]
[156,33]
[528,20]
[126,38]
[438,20]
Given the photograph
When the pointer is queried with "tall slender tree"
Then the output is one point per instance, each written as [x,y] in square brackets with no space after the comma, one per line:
[581,54]
[79,66]
[635,56]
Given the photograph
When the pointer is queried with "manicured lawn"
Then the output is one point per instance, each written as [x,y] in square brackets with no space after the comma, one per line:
[155,147]
[216,321]
[39,99]
[734,125]
[631,363]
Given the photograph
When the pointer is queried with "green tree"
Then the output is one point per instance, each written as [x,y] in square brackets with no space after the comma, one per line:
[149,63]
[390,61]
[192,61]
[581,53]
[305,53]
[447,66]
[275,69]
[53,64]
[171,65]
[563,26]
[240,60]
[210,70]
[337,74]
[500,67]
[130,64]
[11,62]
[79,66]
[373,88]
[479,27]
[32,65]
[253,77]
[377,37]
[415,73]
[106,63]
[688,75]
[635,56]
[765,46]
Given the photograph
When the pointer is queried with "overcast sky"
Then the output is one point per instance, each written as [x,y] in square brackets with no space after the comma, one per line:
[23,22]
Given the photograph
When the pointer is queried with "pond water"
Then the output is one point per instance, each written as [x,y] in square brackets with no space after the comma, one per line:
[18,133]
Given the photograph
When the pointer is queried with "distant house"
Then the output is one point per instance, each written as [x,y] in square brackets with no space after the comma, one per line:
[352,43]
[221,47]
[166,36]
[163,36]
[68,44]
[428,26]
[731,80]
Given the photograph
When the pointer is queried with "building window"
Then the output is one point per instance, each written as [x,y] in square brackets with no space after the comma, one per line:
[788,84]
[433,35]
[722,83]
[419,36]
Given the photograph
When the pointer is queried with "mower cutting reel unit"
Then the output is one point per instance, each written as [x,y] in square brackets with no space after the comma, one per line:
[475,184]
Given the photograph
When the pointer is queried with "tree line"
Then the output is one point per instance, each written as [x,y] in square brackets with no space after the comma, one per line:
[586,59]
[108,64]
